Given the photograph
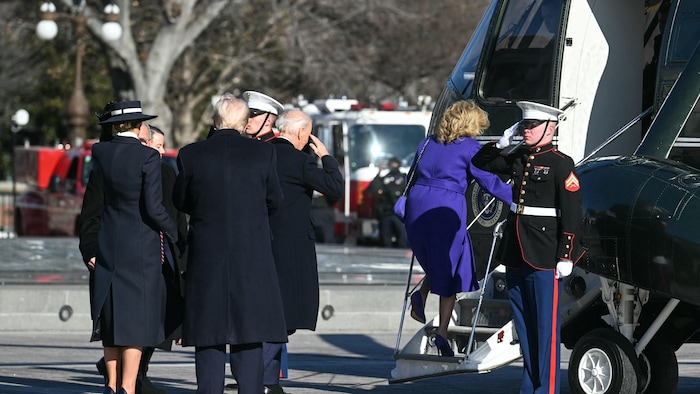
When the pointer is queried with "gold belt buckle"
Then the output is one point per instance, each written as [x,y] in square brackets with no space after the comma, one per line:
[519,209]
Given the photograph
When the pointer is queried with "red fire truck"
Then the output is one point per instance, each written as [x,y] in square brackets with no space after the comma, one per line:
[362,140]
[56,179]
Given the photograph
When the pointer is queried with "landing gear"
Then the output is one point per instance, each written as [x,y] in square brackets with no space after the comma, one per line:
[660,366]
[603,362]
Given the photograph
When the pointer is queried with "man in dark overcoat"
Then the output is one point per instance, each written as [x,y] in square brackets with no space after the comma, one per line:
[228,184]
[293,240]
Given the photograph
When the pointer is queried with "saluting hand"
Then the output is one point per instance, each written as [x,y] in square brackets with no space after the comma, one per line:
[507,138]
[317,146]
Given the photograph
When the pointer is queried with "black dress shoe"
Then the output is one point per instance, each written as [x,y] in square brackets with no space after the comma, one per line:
[108,390]
[273,389]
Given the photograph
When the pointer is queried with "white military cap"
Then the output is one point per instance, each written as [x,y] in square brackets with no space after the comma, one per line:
[262,102]
[539,111]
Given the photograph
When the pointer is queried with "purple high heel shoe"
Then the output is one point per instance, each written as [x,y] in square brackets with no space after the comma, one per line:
[417,307]
[443,346]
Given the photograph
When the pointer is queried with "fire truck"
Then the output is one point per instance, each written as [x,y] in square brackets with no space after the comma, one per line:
[56,179]
[362,140]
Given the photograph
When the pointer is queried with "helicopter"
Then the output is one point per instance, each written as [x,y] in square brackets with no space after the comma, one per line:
[627,74]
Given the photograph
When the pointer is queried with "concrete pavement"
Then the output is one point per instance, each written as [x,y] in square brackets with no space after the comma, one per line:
[337,362]
[44,330]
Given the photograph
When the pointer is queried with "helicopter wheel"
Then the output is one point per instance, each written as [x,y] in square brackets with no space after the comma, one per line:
[603,362]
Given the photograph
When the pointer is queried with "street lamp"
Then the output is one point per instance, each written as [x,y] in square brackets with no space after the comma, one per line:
[47,29]
[19,120]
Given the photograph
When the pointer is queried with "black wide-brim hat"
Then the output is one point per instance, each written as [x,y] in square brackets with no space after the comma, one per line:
[124,111]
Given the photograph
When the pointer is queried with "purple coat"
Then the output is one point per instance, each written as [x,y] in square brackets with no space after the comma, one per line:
[436,213]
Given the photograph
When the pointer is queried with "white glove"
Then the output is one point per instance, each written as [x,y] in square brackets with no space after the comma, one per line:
[507,138]
[564,268]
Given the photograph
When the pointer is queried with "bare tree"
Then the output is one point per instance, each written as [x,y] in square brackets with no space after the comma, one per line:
[175,55]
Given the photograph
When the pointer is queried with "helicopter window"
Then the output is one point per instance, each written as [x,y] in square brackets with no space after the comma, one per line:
[686,38]
[370,145]
[463,76]
[521,65]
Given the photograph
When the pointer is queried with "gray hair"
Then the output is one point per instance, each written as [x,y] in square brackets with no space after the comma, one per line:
[292,121]
[152,130]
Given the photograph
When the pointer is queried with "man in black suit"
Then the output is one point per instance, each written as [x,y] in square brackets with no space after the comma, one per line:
[293,242]
[228,184]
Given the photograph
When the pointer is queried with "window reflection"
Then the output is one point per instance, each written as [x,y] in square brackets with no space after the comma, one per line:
[370,145]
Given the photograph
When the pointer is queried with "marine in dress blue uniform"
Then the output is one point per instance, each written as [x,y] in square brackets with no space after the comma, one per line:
[541,241]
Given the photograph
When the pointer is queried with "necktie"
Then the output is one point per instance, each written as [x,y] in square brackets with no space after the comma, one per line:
[162,248]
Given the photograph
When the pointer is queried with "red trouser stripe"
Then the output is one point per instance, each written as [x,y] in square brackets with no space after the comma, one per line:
[553,367]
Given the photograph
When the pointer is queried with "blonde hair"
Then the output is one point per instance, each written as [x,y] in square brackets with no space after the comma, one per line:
[462,119]
[230,113]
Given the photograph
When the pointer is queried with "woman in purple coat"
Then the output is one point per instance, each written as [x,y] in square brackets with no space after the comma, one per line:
[436,211]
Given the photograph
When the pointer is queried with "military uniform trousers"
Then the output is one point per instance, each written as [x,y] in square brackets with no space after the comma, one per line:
[534,300]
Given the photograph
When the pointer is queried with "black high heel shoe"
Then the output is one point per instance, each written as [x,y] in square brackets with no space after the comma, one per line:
[417,307]
[443,346]
[108,390]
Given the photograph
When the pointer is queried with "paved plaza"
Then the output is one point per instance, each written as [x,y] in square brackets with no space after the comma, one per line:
[44,330]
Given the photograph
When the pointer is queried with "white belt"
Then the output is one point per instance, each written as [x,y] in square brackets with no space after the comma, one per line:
[534,211]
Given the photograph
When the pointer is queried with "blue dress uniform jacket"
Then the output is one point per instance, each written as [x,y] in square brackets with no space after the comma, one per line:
[543,178]
[228,184]
[128,256]
[293,242]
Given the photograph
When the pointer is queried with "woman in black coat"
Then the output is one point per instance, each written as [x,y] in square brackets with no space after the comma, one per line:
[129,290]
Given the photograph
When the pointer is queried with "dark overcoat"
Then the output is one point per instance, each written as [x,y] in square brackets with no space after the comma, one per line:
[174,280]
[90,214]
[228,184]
[128,264]
[293,241]
[179,250]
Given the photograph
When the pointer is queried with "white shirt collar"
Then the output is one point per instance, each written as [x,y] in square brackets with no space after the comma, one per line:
[128,134]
